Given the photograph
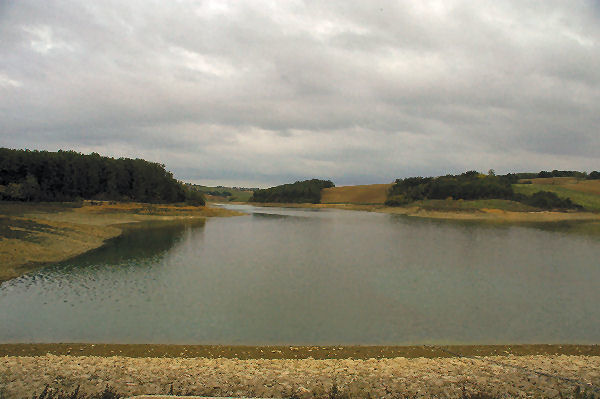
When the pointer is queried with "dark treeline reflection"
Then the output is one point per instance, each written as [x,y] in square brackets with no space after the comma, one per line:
[138,242]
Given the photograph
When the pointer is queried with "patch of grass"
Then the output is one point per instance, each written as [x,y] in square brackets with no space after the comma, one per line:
[21,229]
[473,205]
[16,208]
[586,186]
[590,202]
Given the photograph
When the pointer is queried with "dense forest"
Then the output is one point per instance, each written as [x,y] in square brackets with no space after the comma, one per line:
[298,192]
[472,185]
[68,175]
[469,185]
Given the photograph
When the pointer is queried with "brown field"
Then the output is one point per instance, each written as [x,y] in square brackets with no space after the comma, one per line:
[364,194]
[32,235]
[585,186]
[552,180]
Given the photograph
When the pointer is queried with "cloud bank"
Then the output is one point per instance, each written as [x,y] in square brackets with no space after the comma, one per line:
[265,92]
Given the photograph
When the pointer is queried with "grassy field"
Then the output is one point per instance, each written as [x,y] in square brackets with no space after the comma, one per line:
[364,194]
[580,192]
[472,205]
[33,234]
[585,186]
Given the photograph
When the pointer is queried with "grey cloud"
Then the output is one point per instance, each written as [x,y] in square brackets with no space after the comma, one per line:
[269,91]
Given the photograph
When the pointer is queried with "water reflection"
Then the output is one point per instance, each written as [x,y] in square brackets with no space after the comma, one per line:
[287,275]
[139,242]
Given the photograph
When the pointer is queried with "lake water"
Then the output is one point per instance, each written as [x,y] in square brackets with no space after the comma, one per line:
[304,276]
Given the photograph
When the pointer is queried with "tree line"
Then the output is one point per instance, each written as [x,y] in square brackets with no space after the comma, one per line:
[471,185]
[68,175]
[595,175]
[307,191]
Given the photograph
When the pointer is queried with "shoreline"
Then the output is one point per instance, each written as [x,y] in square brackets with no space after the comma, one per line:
[483,214]
[245,352]
[46,233]
[37,235]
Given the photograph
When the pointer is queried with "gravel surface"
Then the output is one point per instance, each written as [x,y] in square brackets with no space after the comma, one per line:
[23,376]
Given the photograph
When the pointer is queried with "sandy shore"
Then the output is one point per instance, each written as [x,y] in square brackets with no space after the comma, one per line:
[512,376]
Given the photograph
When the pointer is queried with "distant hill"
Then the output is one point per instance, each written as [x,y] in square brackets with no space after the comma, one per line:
[545,190]
[223,193]
[362,194]
[306,191]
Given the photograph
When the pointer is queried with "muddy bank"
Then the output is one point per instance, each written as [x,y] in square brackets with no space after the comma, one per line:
[512,376]
[34,235]
[292,352]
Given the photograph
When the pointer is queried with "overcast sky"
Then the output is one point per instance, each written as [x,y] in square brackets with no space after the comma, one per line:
[259,93]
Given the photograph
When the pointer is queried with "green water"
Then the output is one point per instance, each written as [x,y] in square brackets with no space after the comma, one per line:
[302,276]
